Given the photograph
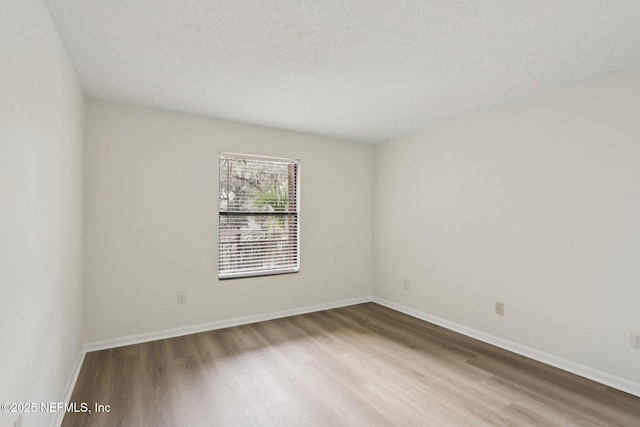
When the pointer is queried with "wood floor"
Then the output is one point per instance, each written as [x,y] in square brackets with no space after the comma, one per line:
[363,365]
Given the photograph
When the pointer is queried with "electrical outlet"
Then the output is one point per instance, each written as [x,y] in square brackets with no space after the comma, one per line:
[500,308]
[181,297]
[405,284]
[635,339]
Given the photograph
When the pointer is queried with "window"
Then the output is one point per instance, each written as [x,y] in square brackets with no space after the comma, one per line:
[258,224]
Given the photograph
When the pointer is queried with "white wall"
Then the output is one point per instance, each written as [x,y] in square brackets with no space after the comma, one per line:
[41,114]
[151,183]
[535,204]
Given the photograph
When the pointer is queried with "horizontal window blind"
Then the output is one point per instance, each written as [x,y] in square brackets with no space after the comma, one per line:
[258,222]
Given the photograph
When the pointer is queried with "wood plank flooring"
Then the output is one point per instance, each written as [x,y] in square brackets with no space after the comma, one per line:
[363,365]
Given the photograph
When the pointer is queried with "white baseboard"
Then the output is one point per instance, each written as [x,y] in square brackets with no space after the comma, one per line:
[71,384]
[176,332]
[616,382]
[211,326]
[566,365]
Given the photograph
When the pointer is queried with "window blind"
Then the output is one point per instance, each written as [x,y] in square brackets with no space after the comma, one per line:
[258,222]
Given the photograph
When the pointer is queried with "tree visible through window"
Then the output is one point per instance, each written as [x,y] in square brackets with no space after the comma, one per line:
[258,220]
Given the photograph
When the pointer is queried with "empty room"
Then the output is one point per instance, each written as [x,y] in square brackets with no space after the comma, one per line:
[319,213]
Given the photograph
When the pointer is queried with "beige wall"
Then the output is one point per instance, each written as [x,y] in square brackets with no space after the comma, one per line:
[41,114]
[535,204]
[151,183]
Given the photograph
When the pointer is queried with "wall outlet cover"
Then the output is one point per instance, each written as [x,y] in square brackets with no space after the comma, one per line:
[635,339]
[181,297]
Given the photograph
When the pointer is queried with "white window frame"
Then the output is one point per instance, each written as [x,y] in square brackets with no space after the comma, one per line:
[224,214]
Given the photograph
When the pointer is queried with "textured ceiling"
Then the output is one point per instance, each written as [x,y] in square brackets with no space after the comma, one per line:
[366,70]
